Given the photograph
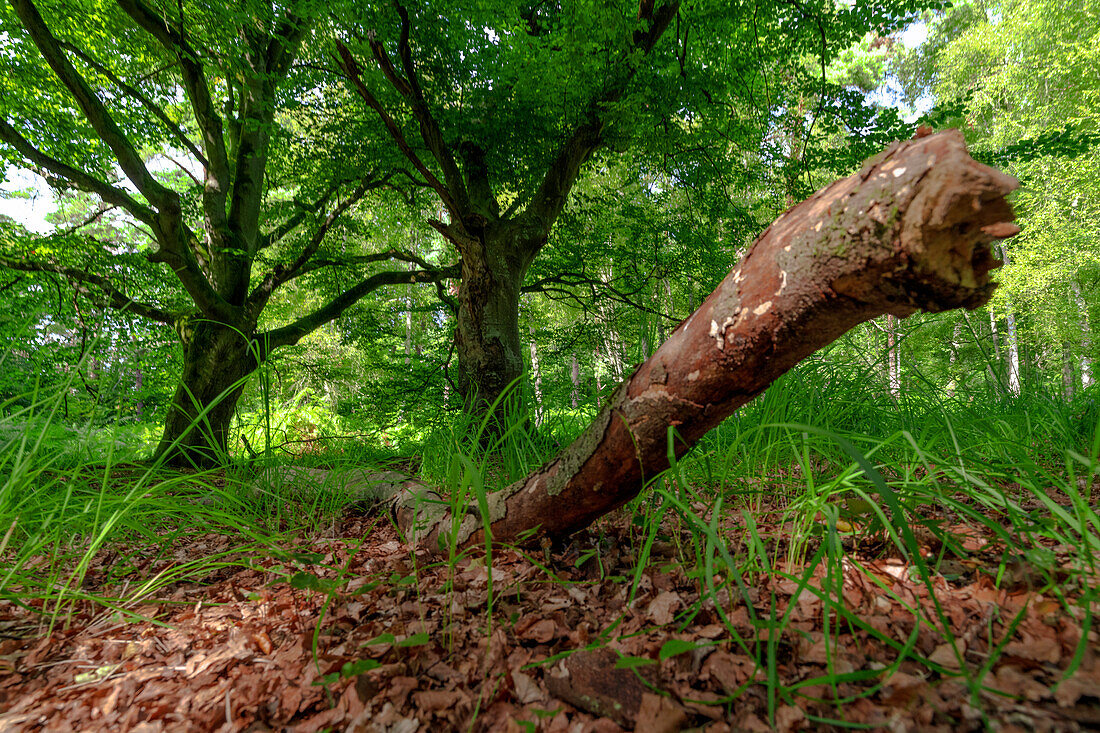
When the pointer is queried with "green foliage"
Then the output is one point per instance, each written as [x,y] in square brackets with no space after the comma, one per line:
[731,123]
[1023,80]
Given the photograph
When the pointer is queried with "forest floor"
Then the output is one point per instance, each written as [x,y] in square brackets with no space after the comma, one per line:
[363,635]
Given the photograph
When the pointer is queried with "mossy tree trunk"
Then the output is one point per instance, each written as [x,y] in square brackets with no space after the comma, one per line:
[487,338]
[216,361]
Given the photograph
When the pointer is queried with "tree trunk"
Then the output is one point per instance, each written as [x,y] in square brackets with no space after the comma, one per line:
[1068,376]
[216,359]
[893,359]
[575,375]
[953,358]
[487,339]
[910,232]
[1013,345]
[613,345]
[408,324]
[995,336]
[1086,334]
[139,377]
[536,380]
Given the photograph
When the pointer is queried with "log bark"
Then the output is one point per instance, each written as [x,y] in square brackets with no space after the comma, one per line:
[911,231]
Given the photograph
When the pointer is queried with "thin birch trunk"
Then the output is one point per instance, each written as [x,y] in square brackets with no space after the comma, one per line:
[1086,334]
[893,363]
[1012,344]
[575,374]
[1068,373]
[536,379]
[953,358]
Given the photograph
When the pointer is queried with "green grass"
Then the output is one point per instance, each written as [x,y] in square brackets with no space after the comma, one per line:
[829,454]
[827,450]
[70,498]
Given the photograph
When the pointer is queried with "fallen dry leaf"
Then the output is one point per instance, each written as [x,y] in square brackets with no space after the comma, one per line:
[661,610]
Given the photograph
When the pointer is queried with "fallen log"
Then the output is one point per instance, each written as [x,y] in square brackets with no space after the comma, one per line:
[911,231]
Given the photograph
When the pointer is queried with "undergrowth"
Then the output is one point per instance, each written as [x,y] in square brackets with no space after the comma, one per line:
[833,462]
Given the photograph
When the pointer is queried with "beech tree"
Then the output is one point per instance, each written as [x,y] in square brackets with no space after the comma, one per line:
[499,109]
[494,109]
[87,110]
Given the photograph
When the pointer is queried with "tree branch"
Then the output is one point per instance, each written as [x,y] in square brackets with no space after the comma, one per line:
[281,274]
[549,200]
[112,297]
[297,218]
[451,271]
[282,49]
[185,170]
[93,108]
[410,88]
[77,178]
[573,279]
[257,113]
[94,217]
[136,94]
[218,174]
[292,333]
[323,229]
[658,20]
[350,66]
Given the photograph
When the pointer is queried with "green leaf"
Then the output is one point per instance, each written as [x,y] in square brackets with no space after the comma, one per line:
[381,639]
[358,667]
[309,581]
[402,580]
[415,640]
[350,669]
[541,713]
[672,647]
[634,662]
[584,558]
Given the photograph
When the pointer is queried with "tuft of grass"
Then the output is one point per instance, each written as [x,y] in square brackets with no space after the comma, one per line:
[840,464]
[105,533]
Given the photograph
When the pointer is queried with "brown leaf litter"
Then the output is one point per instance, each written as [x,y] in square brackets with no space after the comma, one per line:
[406,643]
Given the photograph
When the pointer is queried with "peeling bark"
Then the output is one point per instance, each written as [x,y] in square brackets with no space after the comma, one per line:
[911,231]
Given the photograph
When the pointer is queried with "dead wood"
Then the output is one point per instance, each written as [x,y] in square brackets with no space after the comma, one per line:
[911,231]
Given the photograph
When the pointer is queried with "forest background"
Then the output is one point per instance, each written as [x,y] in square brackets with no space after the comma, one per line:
[647,233]
[630,153]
